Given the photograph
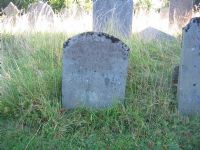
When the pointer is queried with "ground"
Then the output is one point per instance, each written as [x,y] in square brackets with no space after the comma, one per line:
[31,116]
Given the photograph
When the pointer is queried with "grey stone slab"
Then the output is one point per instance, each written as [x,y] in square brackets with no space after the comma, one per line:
[94,71]
[11,10]
[189,78]
[40,10]
[152,34]
[113,16]
[180,12]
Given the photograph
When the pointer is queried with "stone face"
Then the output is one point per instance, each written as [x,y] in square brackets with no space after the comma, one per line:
[152,34]
[11,10]
[113,16]
[94,71]
[189,79]
[40,10]
[180,12]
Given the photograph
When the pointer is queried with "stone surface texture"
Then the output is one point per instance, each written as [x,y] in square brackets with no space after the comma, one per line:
[11,10]
[152,34]
[113,16]
[180,12]
[94,71]
[189,79]
[40,10]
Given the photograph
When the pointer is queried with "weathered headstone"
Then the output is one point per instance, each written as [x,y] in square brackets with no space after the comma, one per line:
[40,10]
[189,78]
[152,34]
[11,10]
[113,16]
[94,71]
[180,12]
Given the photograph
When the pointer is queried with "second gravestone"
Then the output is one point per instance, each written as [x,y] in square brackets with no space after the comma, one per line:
[189,80]
[94,71]
[113,16]
[180,12]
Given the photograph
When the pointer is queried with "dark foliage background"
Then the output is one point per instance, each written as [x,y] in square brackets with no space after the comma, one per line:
[56,4]
[59,4]
[196,1]
[19,3]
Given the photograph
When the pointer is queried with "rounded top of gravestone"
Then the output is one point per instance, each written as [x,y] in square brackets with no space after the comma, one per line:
[195,20]
[96,36]
[40,8]
[95,68]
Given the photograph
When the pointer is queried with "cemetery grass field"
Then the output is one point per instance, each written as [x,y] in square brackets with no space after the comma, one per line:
[30,110]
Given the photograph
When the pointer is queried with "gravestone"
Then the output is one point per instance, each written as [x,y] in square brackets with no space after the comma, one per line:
[11,10]
[152,34]
[113,16]
[180,12]
[189,79]
[94,71]
[40,10]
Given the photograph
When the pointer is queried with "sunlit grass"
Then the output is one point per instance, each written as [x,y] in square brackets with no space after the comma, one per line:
[30,104]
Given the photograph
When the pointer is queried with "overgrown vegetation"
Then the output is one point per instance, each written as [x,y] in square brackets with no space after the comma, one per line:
[59,4]
[56,4]
[31,116]
[21,4]
[86,4]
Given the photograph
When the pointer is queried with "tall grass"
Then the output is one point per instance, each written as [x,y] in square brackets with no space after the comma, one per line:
[31,116]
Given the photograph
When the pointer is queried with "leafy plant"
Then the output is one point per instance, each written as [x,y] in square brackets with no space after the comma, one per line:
[57,4]
[147,4]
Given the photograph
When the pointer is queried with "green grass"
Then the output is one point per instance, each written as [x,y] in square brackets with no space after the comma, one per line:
[30,111]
